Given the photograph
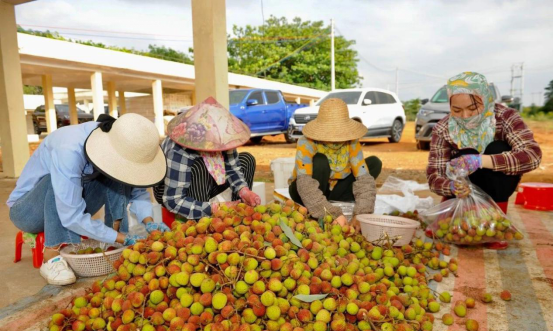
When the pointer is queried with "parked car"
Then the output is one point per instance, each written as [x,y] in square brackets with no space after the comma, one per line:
[379,110]
[62,116]
[436,108]
[265,112]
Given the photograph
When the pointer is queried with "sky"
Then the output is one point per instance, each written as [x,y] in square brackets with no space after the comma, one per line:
[428,41]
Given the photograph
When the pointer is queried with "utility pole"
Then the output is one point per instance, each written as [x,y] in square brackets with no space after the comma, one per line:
[332,75]
[521,85]
[397,82]
[517,79]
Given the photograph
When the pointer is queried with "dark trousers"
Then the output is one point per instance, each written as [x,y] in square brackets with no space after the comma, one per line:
[498,185]
[202,185]
[343,190]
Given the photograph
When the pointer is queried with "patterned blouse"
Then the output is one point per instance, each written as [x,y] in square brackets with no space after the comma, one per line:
[524,157]
[343,161]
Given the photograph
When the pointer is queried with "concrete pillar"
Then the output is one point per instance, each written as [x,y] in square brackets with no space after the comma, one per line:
[312,102]
[13,124]
[157,94]
[97,94]
[49,108]
[122,103]
[112,100]
[86,105]
[72,102]
[298,100]
[210,50]
[193,97]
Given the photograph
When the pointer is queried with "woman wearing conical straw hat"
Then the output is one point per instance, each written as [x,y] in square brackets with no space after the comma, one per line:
[330,165]
[202,161]
[78,169]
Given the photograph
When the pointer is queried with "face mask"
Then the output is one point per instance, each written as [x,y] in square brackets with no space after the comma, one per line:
[469,123]
[334,146]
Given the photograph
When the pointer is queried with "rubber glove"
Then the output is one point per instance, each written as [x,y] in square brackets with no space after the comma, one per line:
[156,226]
[459,189]
[249,197]
[131,239]
[470,163]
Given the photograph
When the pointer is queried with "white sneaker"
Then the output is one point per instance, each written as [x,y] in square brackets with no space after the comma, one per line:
[57,272]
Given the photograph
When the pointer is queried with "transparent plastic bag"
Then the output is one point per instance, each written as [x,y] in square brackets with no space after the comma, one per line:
[470,220]
[399,195]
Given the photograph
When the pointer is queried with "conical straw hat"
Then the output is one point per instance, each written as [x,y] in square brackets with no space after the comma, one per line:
[333,124]
[208,126]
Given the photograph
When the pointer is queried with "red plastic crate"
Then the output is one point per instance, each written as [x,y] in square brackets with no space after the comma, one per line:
[535,196]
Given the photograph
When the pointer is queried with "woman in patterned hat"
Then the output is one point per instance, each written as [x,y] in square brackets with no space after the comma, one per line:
[488,140]
[330,165]
[202,161]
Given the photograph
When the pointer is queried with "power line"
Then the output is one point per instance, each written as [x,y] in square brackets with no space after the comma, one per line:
[186,38]
[301,48]
[130,38]
[397,68]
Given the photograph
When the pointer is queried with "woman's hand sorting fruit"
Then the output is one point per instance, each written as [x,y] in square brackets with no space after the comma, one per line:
[341,220]
[249,197]
[355,224]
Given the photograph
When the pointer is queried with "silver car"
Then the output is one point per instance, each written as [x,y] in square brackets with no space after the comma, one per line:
[437,108]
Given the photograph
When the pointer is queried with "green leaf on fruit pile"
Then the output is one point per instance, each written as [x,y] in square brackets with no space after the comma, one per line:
[290,234]
[310,298]
[267,244]
[322,223]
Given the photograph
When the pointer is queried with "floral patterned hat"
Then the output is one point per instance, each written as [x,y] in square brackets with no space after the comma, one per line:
[208,126]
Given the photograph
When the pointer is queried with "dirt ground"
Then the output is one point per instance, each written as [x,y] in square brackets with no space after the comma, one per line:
[401,159]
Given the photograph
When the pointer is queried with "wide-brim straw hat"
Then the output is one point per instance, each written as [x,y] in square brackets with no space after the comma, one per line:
[208,126]
[129,152]
[333,124]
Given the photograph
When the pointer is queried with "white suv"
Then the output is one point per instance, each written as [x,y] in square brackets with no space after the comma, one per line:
[379,110]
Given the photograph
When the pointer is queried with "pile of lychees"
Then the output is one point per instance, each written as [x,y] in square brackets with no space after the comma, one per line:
[263,268]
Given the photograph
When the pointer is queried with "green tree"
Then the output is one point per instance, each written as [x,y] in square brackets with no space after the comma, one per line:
[169,54]
[548,92]
[411,108]
[32,90]
[294,52]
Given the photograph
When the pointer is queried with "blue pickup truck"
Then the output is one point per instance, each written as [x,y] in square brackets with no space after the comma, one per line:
[264,111]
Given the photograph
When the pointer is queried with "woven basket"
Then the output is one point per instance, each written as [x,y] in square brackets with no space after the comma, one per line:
[92,265]
[374,227]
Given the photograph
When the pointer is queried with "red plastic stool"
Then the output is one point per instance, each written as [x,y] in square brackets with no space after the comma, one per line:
[38,250]
[535,196]
[167,217]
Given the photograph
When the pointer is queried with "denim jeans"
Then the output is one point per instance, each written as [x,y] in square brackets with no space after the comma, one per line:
[36,212]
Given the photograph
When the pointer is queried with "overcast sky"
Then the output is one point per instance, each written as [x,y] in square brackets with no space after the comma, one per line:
[436,38]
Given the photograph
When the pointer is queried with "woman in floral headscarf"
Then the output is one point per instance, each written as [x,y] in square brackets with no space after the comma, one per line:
[202,161]
[488,140]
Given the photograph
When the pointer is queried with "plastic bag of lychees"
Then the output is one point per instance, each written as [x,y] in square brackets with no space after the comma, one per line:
[473,219]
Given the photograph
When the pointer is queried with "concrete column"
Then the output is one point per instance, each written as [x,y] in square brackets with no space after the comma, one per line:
[298,100]
[97,94]
[193,97]
[210,50]
[122,103]
[49,108]
[312,102]
[85,103]
[112,100]
[13,124]
[157,94]
[72,102]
